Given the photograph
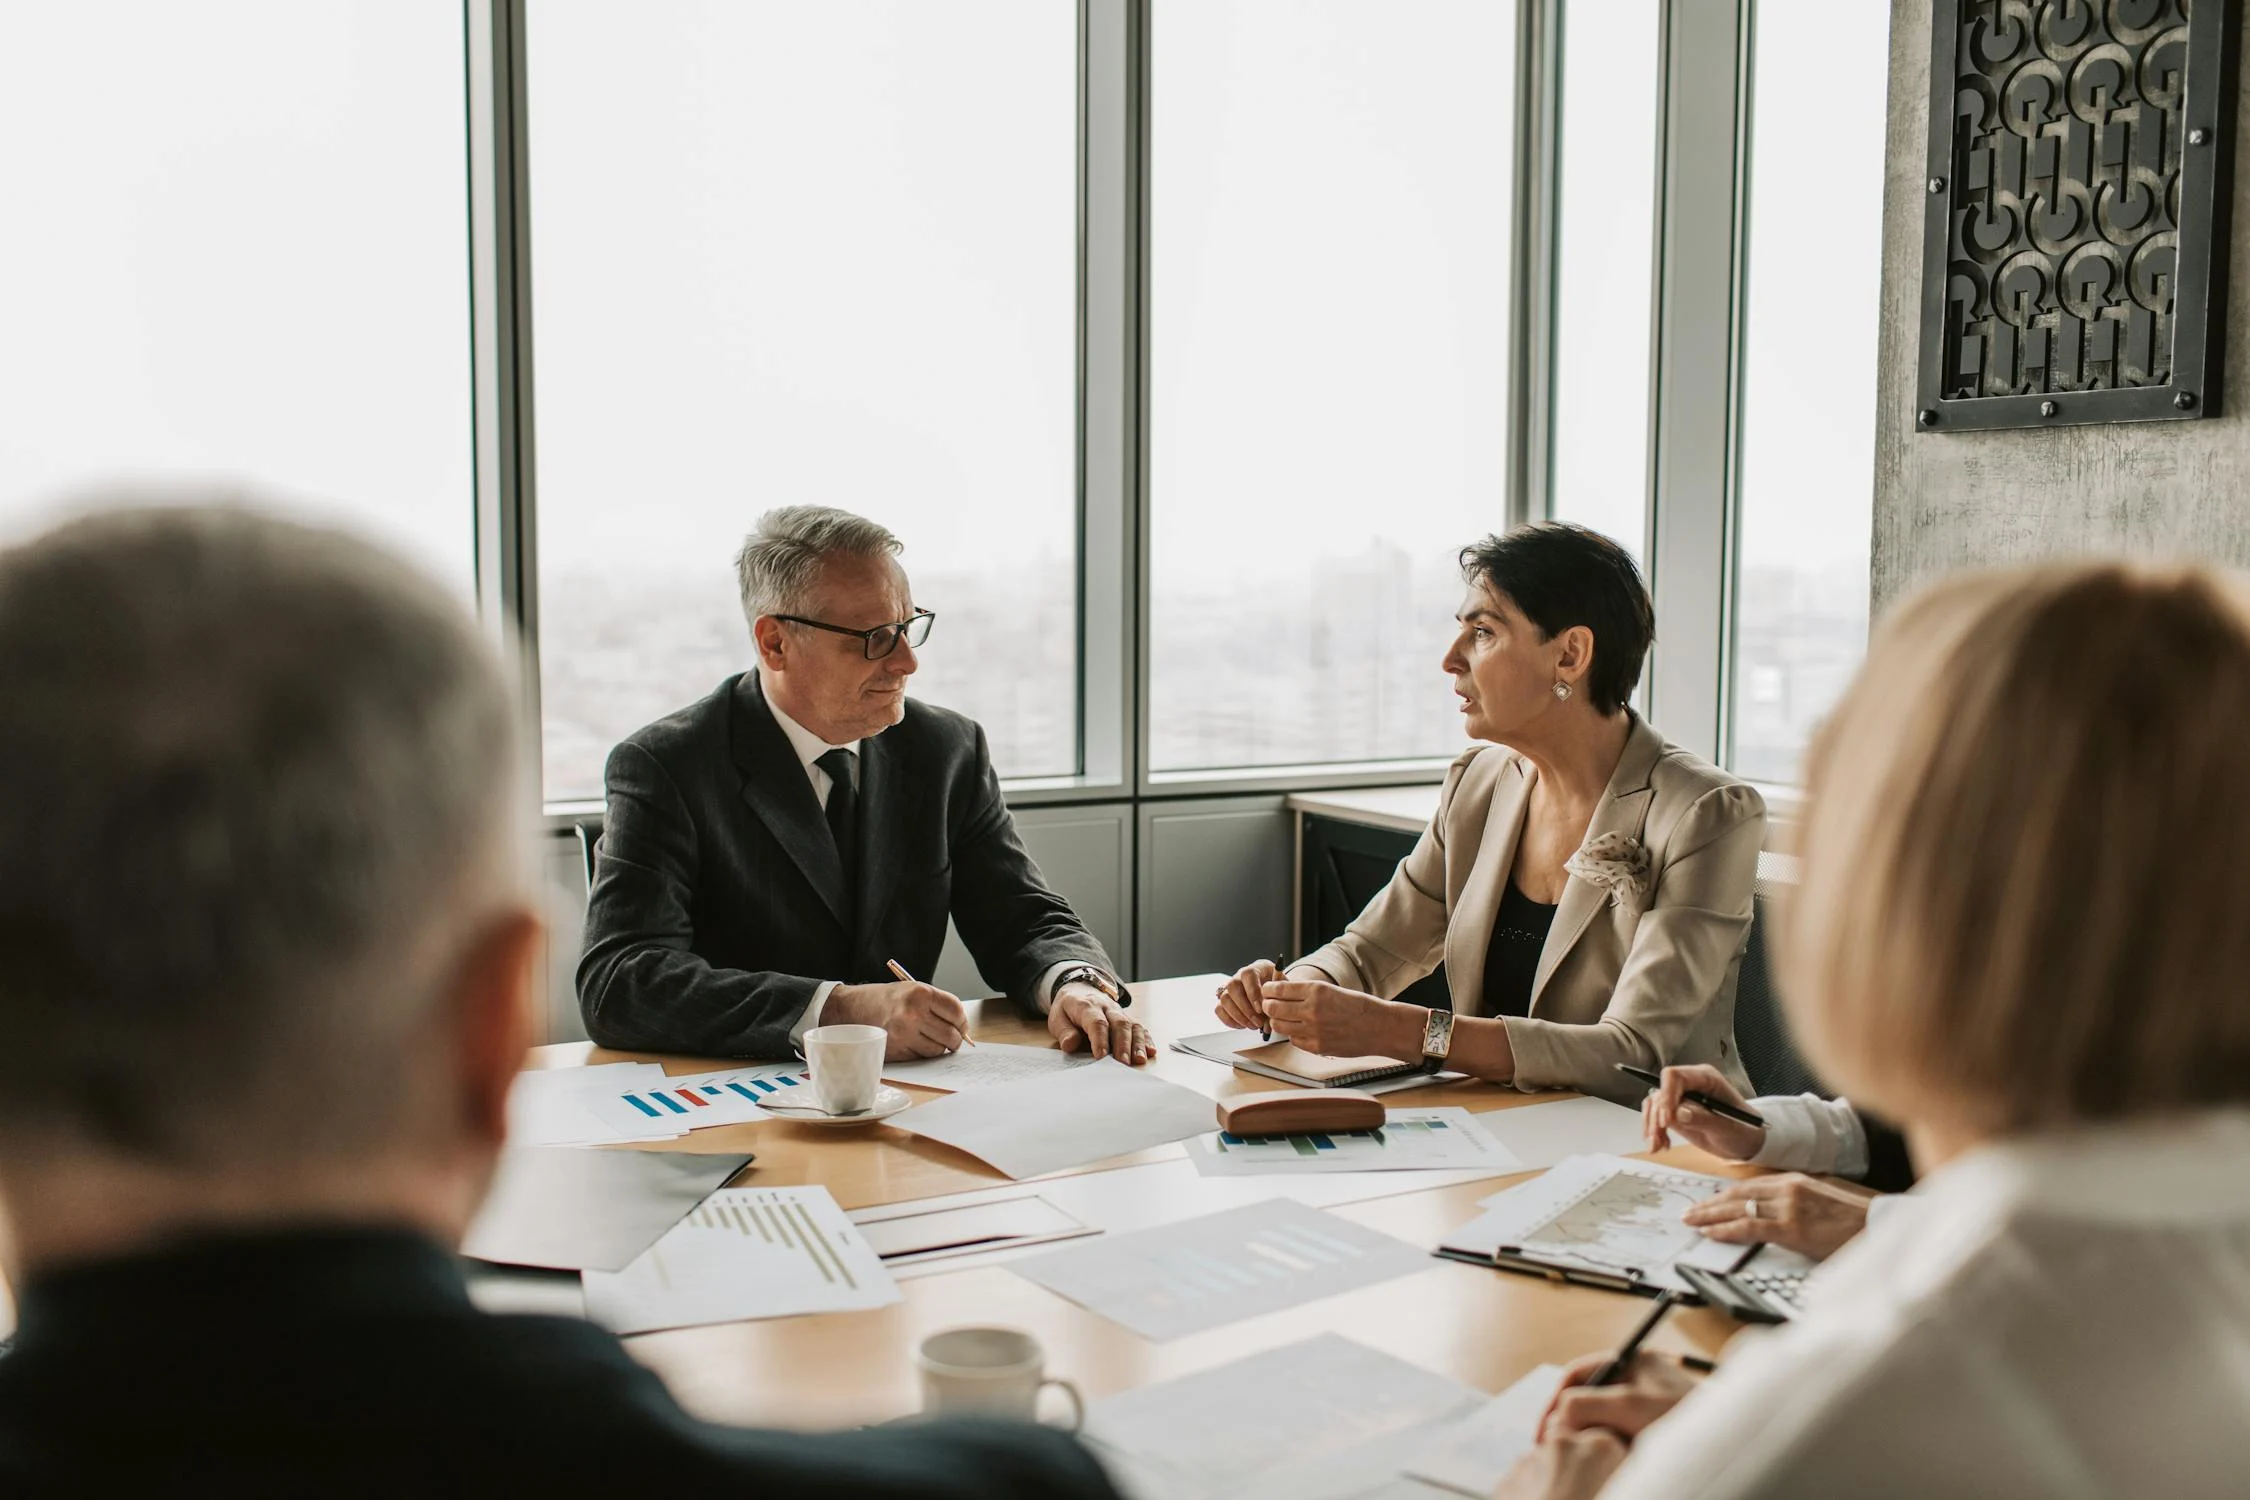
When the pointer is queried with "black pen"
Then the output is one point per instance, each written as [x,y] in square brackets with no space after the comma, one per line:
[1614,1371]
[1696,1096]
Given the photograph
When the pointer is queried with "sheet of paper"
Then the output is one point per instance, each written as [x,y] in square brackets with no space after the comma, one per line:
[1178,1279]
[1409,1139]
[745,1253]
[548,1106]
[1542,1134]
[1124,1199]
[984,1064]
[569,1209]
[696,1101]
[1602,1213]
[1471,1456]
[1296,1421]
[944,1232]
[1045,1124]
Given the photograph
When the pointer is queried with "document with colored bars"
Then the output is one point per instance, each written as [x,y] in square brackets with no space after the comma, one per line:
[745,1253]
[1410,1138]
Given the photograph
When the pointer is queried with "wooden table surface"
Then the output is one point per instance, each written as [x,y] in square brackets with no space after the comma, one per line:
[1482,1327]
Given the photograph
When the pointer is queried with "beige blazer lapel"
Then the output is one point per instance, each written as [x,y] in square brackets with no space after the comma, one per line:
[1468,931]
[1623,809]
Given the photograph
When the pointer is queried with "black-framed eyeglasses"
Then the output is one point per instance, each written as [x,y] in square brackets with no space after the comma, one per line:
[883,639]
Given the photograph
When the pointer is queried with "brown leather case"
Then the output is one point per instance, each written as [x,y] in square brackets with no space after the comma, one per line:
[1298,1111]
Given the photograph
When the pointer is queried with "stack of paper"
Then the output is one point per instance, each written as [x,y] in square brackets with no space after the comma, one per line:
[1178,1279]
[745,1253]
[1408,1139]
[1063,1119]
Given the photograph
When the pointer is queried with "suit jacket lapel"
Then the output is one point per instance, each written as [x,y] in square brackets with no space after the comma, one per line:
[1623,809]
[778,791]
[1469,933]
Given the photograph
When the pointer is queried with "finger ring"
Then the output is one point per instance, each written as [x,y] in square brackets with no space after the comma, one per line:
[1752,1211]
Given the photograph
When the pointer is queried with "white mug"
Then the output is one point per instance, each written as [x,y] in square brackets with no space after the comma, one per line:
[988,1372]
[847,1066]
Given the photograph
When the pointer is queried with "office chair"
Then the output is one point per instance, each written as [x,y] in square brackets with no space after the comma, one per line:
[589,840]
[1761,1032]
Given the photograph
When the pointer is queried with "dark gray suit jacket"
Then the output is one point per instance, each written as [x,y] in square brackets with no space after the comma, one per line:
[719,903]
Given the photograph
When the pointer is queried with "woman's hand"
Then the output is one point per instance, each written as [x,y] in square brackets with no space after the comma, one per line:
[1240,1003]
[1336,1022]
[1792,1210]
[1665,1110]
[1653,1386]
[1572,1467]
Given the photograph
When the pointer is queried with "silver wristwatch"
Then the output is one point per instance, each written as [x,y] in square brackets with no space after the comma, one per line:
[1437,1040]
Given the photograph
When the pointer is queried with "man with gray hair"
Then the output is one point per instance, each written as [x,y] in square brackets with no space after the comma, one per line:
[772,850]
[267,949]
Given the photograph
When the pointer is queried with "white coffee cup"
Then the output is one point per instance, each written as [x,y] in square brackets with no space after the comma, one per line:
[988,1372]
[847,1066]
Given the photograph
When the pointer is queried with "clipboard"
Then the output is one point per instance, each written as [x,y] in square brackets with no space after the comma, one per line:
[1513,1258]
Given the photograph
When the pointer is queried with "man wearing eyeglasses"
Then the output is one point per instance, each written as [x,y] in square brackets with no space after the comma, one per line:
[769,851]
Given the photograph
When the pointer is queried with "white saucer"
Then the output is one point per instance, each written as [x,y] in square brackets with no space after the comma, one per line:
[888,1102]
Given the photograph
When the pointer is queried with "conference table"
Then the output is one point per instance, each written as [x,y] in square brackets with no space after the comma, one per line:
[1482,1327]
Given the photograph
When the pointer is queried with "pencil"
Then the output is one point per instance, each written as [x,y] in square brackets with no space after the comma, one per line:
[1614,1371]
[899,969]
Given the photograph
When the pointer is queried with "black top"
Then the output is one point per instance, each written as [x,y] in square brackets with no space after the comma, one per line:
[1519,933]
[351,1362]
[720,902]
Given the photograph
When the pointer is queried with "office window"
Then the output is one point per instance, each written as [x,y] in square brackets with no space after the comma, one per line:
[819,252]
[1605,264]
[1808,414]
[237,249]
[1330,221]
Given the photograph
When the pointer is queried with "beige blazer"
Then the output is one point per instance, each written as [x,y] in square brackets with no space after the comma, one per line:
[1648,981]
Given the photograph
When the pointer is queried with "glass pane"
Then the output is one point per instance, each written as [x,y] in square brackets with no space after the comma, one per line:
[238,249]
[1330,223]
[1605,264]
[820,252]
[1808,425]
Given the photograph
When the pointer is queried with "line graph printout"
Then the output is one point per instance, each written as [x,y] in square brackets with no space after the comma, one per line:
[1603,1213]
[1178,1279]
[1410,1138]
[744,1253]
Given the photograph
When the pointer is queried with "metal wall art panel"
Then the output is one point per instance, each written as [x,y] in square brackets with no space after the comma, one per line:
[2074,251]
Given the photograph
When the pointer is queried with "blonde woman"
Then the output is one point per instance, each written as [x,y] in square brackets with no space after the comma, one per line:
[1586,884]
[2021,936]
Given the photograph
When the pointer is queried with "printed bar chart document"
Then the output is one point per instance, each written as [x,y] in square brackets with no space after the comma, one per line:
[1410,1138]
[1178,1279]
[552,1106]
[1045,1124]
[1324,1417]
[984,1064]
[745,1253]
[696,1101]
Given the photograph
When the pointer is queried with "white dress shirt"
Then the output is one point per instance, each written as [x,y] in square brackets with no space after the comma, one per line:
[2059,1316]
[1806,1133]
[810,748]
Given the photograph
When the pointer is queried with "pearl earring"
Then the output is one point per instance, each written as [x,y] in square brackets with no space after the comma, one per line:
[1562,691]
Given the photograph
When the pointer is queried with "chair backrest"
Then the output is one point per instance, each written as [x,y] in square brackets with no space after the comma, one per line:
[1761,1031]
[589,840]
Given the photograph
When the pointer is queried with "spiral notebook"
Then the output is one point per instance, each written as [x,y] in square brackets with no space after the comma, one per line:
[1283,1060]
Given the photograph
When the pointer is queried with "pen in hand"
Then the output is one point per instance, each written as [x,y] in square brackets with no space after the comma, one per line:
[1696,1096]
[898,969]
[1615,1370]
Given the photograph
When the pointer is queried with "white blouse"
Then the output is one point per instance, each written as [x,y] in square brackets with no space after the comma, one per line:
[2057,1317]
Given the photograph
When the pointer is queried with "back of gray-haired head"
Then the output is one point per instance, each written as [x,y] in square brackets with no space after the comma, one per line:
[779,564]
[257,793]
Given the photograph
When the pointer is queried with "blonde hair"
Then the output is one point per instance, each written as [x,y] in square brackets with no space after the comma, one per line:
[2026,896]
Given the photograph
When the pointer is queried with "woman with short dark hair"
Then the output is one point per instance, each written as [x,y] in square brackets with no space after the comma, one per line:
[1587,885]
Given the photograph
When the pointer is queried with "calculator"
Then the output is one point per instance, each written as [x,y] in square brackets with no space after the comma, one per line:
[1749,1294]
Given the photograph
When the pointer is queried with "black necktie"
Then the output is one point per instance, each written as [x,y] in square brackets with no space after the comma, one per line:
[842,767]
